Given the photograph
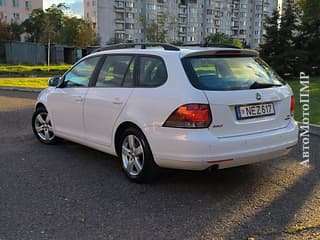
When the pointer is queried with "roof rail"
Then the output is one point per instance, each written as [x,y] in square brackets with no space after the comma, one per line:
[165,46]
[220,45]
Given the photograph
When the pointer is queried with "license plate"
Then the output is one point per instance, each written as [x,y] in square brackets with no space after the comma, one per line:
[254,110]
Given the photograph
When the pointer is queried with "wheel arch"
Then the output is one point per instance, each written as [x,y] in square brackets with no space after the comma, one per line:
[40,105]
[120,129]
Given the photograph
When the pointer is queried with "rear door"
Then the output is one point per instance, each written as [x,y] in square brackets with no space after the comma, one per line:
[245,96]
[106,99]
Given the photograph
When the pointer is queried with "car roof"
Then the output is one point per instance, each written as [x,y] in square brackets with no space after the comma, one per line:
[183,52]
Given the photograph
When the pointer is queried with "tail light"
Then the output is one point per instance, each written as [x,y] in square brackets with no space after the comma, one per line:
[190,116]
[292,105]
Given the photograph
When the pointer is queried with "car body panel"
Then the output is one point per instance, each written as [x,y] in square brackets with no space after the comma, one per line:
[225,122]
[101,110]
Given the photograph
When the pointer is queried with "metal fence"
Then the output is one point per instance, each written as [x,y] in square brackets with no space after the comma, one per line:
[37,54]
[25,53]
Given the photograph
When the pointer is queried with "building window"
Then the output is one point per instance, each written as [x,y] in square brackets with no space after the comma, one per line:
[119,26]
[243,5]
[119,35]
[3,3]
[15,3]
[129,26]
[16,16]
[258,7]
[28,5]
[130,15]
[129,4]
[192,38]
[192,10]
[119,4]
[119,16]
[152,7]
[93,3]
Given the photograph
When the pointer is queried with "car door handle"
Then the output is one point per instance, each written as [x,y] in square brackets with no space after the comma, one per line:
[117,101]
[78,99]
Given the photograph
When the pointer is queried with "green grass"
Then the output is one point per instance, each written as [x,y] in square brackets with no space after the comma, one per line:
[24,82]
[314,92]
[32,70]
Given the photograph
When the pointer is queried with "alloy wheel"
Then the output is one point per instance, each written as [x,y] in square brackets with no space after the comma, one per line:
[132,155]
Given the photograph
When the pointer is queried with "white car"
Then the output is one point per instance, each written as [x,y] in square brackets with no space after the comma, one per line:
[168,107]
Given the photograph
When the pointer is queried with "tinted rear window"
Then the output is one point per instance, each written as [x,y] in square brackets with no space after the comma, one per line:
[229,73]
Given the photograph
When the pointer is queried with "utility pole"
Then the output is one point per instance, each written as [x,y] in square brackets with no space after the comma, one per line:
[49,47]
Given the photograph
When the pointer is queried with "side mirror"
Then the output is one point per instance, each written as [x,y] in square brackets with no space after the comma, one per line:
[53,82]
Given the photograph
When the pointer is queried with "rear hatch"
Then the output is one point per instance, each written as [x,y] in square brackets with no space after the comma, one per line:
[244,94]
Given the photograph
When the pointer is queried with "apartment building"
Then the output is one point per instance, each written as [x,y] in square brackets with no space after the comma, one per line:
[17,10]
[188,21]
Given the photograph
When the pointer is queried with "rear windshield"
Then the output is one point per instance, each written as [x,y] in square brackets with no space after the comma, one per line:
[230,73]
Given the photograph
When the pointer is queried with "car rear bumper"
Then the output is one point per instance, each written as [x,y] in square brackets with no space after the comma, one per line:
[200,149]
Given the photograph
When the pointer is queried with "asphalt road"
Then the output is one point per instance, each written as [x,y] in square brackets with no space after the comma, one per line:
[68,191]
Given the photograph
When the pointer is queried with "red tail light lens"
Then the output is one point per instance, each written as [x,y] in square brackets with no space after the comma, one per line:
[190,116]
[292,105]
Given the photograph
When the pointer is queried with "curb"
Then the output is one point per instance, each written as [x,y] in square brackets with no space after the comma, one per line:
[313,128]
[21,89]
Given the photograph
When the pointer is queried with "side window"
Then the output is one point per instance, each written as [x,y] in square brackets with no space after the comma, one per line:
[113,71]
[152,72]
[80,75]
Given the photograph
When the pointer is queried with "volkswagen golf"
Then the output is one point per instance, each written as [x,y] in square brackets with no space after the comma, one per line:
[161,106]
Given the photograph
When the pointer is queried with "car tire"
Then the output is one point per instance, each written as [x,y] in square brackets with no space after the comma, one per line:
[136,157]
[42,127]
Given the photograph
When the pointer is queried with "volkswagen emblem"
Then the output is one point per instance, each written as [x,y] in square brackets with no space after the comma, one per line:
[258,96]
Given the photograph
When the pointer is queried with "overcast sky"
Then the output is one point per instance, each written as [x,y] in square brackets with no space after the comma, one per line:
[74,5]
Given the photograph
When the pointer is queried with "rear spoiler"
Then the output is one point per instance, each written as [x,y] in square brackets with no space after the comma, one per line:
[223,52]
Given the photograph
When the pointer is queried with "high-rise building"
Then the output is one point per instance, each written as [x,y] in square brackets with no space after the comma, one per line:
[188,21]
[17,10]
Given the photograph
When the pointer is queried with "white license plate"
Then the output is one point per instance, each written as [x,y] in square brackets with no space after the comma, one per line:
[254,110]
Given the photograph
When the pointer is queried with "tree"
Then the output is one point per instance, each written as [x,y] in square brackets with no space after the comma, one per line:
[85,36]
[8,32]
[52,25]
[222,38]
[53,22]
[34,25]
[157,30]
[270,49]
[287,35]
[307,42]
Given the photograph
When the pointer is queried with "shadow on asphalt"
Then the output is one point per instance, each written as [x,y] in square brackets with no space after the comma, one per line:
[68,191]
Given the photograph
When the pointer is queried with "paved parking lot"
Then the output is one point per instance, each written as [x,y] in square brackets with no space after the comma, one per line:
[68,191]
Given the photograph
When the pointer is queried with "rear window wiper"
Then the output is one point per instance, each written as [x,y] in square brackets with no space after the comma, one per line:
[257,85]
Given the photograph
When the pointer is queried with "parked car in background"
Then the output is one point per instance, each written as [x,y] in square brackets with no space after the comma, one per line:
[160,106]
